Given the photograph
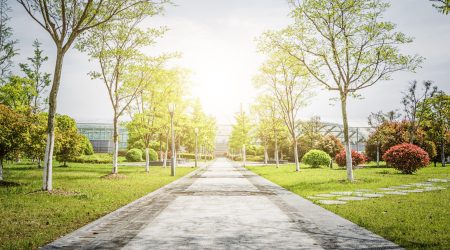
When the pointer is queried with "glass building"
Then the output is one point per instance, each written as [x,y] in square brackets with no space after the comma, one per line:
[100,135]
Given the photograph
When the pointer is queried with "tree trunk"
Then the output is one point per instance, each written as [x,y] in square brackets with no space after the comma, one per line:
[348,153]
[1,169]
[277,162]
[160,149]
[443,152]
[39,162]
[378,154]
[167,151]
[52,99]
[244,155]
[115,169]
[297,163]
[266,156]
[147,161]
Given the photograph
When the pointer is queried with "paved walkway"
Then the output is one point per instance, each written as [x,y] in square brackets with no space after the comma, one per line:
[222,207]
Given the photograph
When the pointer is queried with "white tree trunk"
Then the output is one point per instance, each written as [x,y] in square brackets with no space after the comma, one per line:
[297,163]
[147,161]
[266,156]
[1,169]
[244,156]
[348,152]
[48,163]
[378,154]
[115,157]
[277,162]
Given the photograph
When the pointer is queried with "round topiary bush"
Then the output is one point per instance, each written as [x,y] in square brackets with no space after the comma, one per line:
[357,158]
[407,158]
[316,158]
[134,155]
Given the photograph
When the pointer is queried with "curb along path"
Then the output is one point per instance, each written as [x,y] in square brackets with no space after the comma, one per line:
[222,206]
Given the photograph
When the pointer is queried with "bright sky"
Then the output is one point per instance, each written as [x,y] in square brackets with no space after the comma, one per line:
[217,41]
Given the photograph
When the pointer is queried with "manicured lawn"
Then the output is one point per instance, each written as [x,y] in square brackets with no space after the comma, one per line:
[30,218]
[414,221]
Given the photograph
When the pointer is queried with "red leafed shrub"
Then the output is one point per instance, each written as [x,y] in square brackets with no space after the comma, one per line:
[357,158]
[407,158]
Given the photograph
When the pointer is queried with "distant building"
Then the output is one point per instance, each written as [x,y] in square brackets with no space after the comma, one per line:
[101,134]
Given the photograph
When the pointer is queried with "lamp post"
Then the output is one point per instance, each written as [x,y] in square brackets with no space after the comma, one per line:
[172,164]
[196,135]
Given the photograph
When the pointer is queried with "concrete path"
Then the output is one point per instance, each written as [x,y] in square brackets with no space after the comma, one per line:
[222,207]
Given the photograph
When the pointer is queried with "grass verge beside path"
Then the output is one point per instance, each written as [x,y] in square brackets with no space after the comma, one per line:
[414,221]
[30,218]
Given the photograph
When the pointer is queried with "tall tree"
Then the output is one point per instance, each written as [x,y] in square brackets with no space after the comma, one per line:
[40,81]
[414,104]
[149,110]
[7,43]
[435,115]
[65,21]
[12,133]
[124,69]
[346,46]
[241,133]
[289,83]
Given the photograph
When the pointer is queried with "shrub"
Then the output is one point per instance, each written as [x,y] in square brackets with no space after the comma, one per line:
[316,158]
[87,146]
[134,155]
[331,145]
[357,158]
[407,158]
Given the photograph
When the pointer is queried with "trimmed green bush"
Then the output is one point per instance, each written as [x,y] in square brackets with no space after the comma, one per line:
[316,158]
[134,155]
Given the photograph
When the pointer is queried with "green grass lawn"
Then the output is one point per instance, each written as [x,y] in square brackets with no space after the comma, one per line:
[415,221]
[30,218]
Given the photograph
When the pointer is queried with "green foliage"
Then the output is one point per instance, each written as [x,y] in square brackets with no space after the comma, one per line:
[13,128]
[39,81]
[331,145]
[87,148]
[36,138]
[68,142]
[17,93]
[7,45]
[241,132]
[134,155]
[442,6]
[316,158]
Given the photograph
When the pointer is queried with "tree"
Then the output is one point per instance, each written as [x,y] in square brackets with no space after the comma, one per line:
[7,50]
[435,115]
[12,133]
[124,69]
[149,110]
[414,104]
[289,83]
[17,94]
[36,139]
[69,142]
[375,120]
[65,21]
[346,46]
[442,6]
[241,133]
[40,81]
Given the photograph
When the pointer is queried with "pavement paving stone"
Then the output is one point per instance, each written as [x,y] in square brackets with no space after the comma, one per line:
[332,202]
[395,193]
[222,206]
[351,198]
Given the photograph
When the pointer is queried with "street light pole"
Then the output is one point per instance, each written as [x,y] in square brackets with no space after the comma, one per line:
[172,164]
[196,135]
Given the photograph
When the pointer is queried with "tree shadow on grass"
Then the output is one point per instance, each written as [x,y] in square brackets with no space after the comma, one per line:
[9,184]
